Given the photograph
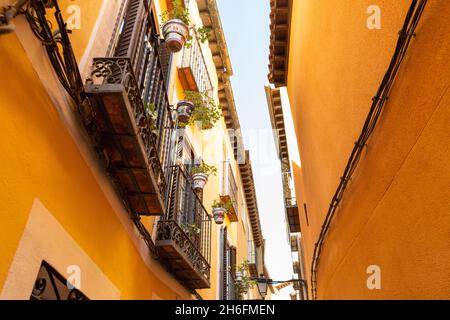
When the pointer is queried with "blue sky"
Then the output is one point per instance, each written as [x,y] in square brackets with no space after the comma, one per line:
[246,26]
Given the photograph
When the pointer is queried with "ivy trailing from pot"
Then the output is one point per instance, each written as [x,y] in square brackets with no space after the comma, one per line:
[176,25]
[152,115]
[202,109]
[202,34]
[200,175]
[219,209]
[242,286]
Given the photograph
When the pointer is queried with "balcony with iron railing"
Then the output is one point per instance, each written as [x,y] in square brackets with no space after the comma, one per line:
[294,242]
[130,124]
[134,142]
[183,238]
[193,72]
[229,191]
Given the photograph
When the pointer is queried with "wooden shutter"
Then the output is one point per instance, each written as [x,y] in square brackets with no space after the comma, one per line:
[224,264]
[165,57]
[233,266]
[124,47]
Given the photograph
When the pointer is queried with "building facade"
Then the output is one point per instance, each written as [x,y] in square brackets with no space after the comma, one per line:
[370,107]
[96,185]
[277,119]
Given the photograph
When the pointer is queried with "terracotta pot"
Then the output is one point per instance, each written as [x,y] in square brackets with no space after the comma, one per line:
[199,181]
[219,215]
[175,34]
[184,110]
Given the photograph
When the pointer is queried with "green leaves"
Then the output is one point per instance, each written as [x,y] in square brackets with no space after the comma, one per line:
[241,287]
[204,168]
[227,205]
[177,12]
[190,229]
[206,111]
[203,34]
[152,115]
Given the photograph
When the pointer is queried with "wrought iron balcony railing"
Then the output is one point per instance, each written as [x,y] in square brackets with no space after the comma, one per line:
[130,123]
[290,202]
[130,119]
[294,243]
[193,72]
[184,233]
[288,184]
[229,190]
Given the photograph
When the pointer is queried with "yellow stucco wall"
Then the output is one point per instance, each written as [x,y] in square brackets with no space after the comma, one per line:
[395,211]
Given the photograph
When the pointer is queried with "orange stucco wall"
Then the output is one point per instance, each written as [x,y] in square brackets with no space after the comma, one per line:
[395,213]
[40,160]
[44,156]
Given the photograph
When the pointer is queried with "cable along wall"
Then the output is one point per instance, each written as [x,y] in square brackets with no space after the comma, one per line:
[407,32]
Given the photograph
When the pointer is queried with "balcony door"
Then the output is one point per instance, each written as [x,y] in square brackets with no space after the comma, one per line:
[228,267]
[188,207]
[187,214]
[136,39]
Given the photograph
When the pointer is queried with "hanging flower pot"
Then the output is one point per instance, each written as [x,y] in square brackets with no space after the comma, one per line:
[199,181]
[184,110]
[175,33]
[206,112]
[200,175]
[219,208]
[219,214]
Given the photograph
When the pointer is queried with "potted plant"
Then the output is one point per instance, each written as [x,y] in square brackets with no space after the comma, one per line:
[243,282]
[185,109]
[219,209]
[200,175]
[175,27]
[191,230]
[205,110]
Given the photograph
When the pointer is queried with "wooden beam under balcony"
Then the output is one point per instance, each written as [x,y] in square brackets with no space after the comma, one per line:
[179,264]
[120,138]
[293,219]
[182,256]
[187,79]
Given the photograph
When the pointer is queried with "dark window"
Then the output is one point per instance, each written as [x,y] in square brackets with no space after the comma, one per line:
[166,59]
[51,285]
[228,268]
[187,203]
